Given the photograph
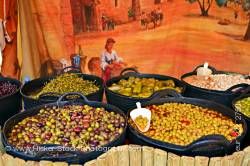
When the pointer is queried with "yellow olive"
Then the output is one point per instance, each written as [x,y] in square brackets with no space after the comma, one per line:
[181,124]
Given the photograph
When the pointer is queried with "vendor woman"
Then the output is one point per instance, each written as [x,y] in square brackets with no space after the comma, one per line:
[109,57]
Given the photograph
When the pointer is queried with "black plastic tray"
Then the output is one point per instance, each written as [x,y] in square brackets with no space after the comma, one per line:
[223,97]
[10,104]
[125,102]
[211,145]
[36,85]
[55,152]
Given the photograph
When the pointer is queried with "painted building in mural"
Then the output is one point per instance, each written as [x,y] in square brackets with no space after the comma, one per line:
[149,3]
[87,14]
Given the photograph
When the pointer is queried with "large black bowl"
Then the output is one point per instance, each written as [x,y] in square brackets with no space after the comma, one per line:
[211,145]
[10,104]
[125,102]
[223,97]
[57,152]
[240,115]
[35,85]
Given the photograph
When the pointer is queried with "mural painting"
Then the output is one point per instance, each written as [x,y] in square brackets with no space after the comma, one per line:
[168,37]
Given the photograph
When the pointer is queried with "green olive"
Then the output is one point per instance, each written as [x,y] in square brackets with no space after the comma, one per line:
[75,126]
[243,106]
[181,124]
[68,82]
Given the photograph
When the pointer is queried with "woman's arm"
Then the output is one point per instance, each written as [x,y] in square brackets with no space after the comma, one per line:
[117,58]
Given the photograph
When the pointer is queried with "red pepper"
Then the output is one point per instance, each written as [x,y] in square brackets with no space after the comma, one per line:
[185,121]
[234,134]
[77,129]
[48,136]
[85,125]
[85,120]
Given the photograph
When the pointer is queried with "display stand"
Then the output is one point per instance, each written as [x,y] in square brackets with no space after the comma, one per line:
[134,155]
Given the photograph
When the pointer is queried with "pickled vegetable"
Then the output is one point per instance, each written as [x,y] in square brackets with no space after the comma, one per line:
[80,127]
[219,82]
[69,82]
[182,124]
[244,106]
[142,87]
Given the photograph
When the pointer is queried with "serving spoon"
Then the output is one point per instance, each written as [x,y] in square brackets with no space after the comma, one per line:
[139,111]
[204,71]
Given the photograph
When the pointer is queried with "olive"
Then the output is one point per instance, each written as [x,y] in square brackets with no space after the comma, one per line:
[107,130]
[40,125]
[55,126]
[117,134]
[91,134]
[86,117]
[29,124]
[85,125]
[120,130]
[7,88]
[141,121]
[182,124]
[90,129]
[65,139]
[97,131]
[104,135]
[117,125]
[48,136]
[31,135]
[122,124]
[68,82]
[243,106]
[77,129]
[73,118]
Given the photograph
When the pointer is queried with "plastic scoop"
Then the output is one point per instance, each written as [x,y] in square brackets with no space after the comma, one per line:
[204,71]
[141,112]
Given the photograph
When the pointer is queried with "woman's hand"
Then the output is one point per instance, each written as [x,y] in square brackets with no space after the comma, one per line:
[123,63]
[116,65]
[110,66]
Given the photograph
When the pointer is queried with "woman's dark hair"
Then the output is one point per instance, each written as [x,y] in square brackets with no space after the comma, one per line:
[109,40]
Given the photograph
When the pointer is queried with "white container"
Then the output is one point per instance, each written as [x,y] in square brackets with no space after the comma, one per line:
[204,71]
[141,112]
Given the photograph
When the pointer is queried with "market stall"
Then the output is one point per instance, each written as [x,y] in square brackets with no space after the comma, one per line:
[149,119]
[107,83]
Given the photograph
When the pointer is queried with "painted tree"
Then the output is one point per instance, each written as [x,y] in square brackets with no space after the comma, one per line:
[136,7]
[245,5]
[205,5]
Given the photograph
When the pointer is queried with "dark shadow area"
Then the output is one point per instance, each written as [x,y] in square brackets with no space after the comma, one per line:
[220,19]
[196,15]
[232,36]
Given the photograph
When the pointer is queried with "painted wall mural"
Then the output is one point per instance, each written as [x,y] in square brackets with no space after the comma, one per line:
[168,37]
